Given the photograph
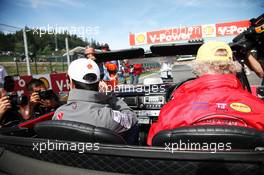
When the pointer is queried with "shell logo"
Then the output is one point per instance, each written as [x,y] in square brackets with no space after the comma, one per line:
[209,30]
[89,66]
[140,38]
[240,107]
[45,81]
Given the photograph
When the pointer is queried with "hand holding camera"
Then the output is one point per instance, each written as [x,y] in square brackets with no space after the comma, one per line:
[4,105]
[44,98]
[34,98]
[16,100]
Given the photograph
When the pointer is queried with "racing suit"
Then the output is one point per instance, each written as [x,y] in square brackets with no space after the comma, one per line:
[203,101]
[97,109]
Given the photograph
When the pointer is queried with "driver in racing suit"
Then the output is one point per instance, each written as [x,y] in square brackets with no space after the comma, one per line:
[215,98]
[85,104]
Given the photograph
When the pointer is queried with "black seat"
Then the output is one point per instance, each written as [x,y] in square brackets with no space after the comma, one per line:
[239,137]
[76,131]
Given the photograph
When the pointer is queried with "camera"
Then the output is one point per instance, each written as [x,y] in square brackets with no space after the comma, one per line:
[252,38]
[16,100]
[46,95]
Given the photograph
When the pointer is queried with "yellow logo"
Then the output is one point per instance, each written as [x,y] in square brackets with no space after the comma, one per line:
[259,29]
[140,38]
[209,30]
[45,81]
[240,107]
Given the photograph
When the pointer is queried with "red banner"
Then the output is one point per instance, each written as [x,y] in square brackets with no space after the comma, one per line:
[231,28]
[188,33]
[56,82]
[59,82]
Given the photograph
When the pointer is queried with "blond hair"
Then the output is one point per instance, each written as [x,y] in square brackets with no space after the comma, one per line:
[215,67]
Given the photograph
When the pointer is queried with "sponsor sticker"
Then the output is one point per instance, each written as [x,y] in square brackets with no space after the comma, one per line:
[240,107]
[221,106]
[60,116]
[259,29]
[200,105]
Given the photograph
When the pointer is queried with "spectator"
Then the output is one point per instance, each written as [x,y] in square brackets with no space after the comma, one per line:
[11,113]
[85,104]
[41,105]
[254,64]
[125,70]
[5,105]
[131,73]
[90,53]
[136,73]
[112,72]
[106,77]
[3,74]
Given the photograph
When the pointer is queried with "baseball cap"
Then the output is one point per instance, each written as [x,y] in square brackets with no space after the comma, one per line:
[84,70]
[210,52]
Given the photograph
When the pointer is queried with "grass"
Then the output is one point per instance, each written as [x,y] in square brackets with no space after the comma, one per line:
[20,68]
[42,68]
[4,58]
[148,73]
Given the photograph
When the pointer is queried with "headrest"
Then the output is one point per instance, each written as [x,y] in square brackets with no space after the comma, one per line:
[76,131]
[239,137]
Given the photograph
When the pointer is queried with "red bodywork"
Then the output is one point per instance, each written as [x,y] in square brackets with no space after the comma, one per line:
[31,123]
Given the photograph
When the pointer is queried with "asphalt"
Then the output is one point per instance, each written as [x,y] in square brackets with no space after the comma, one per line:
[184,71]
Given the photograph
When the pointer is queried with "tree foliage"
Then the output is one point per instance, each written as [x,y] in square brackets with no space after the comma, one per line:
[41,45]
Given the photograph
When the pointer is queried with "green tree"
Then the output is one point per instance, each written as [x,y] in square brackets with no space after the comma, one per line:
[19,47]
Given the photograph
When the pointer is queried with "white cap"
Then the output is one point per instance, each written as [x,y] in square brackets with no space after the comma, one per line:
[84,70]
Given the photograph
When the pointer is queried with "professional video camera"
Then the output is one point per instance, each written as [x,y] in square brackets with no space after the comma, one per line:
[46,95]
[251,39]
[16,100]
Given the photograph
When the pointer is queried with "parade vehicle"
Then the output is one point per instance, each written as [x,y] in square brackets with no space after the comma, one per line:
[45,146]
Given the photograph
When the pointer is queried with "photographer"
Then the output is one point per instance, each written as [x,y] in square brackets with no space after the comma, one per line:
[248,46]
[10,111]
[3,74]
[42,101]
[254,64]
[4,106]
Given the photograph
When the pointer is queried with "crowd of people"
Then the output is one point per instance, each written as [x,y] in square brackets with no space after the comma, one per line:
[16,109]
[215,83]
[114,71]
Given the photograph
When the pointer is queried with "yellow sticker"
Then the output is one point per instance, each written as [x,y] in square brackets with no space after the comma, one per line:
[240,107]
[259,29]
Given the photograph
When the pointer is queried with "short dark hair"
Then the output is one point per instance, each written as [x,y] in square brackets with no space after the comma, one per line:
[33,83]
[91,87]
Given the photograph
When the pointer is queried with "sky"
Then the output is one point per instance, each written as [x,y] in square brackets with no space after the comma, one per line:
[111,21]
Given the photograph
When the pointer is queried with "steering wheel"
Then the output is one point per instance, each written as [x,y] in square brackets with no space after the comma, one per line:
[172,88]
